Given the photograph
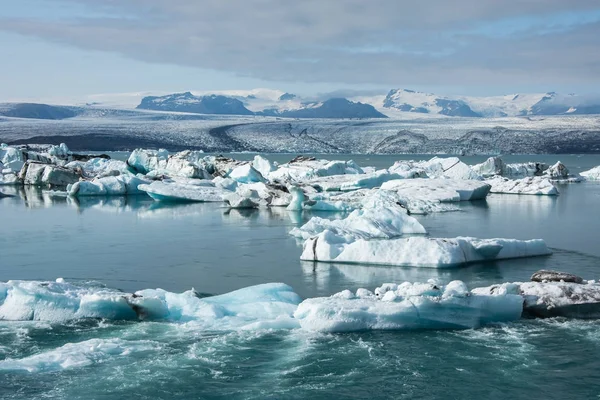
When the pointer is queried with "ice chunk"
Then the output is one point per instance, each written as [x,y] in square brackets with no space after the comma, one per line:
[302,169]
[60,301]
[531,186]
[264,166]
[417,251]
[11,158]
[99,167]
[490,167]
[7,177]
[165,191]
[408,307]
[450,167]
[107,186]
[37,174]
[234,200]
[60,151]
[382,222]
[592,174]
[439,190]
[299,202]
[145,161]
[553,299]
[246,174]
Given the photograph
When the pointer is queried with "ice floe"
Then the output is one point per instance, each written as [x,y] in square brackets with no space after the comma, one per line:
[592,174]
[439,190]
[173,191]
[407,306]
[385,222]
[329,246]
[531,186]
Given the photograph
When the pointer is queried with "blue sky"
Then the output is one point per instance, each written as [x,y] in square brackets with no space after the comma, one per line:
[71,48]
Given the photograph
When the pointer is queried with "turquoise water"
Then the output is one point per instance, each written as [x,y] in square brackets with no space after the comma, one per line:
[134,243]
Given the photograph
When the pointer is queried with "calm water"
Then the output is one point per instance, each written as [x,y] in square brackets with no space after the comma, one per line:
[134,243]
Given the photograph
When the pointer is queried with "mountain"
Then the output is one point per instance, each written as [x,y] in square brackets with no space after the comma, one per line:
[37,111]
[187,102]
[411,101]
[332,108]
[286,105]
[512,105]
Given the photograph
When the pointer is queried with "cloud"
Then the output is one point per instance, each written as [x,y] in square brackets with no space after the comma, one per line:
[384,42]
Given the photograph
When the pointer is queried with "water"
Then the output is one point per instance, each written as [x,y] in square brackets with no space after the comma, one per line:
[134,243]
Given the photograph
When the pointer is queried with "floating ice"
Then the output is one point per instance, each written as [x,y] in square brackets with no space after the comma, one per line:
[450,167]
[107,186]
[553,299]
[37,174]
[99,167]
[408,306]
[531,186]
[246,174]
[302,169]
[417,251]
[264,166]
[11,158]
[439,190]
[163,191]
[592,174]
[59,301]
[383,222]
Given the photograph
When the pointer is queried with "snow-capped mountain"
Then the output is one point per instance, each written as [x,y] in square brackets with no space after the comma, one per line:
[187,102]
[550,103]
[285,105]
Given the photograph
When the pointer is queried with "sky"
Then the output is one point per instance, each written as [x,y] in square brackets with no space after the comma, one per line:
[63,49]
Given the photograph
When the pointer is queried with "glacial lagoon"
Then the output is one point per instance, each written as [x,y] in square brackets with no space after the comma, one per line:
[134,243]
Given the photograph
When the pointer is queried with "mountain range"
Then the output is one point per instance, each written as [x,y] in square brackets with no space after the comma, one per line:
[397,104]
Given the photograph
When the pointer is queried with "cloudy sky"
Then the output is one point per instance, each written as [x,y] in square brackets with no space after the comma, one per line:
[65,48]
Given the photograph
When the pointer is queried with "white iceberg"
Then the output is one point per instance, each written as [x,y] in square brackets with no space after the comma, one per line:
[262,306]
[531,186]
[299,202]
[450,167]
[99,167]
[407,306]
[382,222]
[164,191]
[107,186]
[302,169]
[592,174]
[417,251]
[246,174]
[354,182]
[553,299]
[439,190]
[37,174]
[264,166]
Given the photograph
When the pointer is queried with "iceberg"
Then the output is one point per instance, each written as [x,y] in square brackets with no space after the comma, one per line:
[383,222]
[144,161]
[451,168]
[246,174]
[37,174]
[302,169]
[234,200]
[439,190]
[530,186]
[328,246]
[299,202]
[592,174]
[408,306]
[264,166]
[99,167]
[163,191]
[268,305]
[549,299]
[354,182]
[107,186]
